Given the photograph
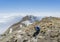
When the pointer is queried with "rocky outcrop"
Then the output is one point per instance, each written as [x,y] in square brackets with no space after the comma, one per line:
[50,32]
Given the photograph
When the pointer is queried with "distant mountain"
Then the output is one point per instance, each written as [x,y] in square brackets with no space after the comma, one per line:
[24,22]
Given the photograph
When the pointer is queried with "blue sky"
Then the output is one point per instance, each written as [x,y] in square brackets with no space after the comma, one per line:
[10,9]
[40,7]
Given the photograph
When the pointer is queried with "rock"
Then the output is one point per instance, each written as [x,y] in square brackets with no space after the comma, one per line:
[50,32]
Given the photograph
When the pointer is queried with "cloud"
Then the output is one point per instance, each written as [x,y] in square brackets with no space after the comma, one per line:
[7,17]
[7,20]
[4,17]
[36,13]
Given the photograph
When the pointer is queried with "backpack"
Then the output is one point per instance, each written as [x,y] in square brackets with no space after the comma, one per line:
[37,28]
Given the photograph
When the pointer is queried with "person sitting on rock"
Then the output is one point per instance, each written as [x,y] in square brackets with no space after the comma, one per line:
[37,28]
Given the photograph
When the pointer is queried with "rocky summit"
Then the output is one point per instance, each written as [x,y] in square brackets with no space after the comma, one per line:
[50,31]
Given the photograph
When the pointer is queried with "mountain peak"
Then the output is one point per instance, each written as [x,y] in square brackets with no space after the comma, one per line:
[30,18]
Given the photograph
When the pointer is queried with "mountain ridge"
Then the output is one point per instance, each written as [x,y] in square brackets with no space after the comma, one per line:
[50,32]
[25,20]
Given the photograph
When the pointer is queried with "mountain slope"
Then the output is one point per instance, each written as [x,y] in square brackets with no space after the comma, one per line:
[50,32]
[26,21]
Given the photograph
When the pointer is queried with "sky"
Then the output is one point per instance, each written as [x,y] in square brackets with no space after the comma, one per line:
[28,7]
[10,9]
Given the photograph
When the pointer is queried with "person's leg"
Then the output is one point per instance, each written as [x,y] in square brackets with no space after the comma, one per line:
[35,34]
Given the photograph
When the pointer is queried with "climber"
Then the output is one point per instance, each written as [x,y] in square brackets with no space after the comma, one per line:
[37,28]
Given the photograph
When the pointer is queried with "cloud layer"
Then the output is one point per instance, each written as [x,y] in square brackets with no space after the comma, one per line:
[7,19]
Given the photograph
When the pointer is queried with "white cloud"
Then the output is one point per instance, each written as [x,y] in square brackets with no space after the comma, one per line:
[37,13]
[5,21]
[4,17]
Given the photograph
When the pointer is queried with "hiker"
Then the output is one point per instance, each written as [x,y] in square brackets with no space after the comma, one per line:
[37,28]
